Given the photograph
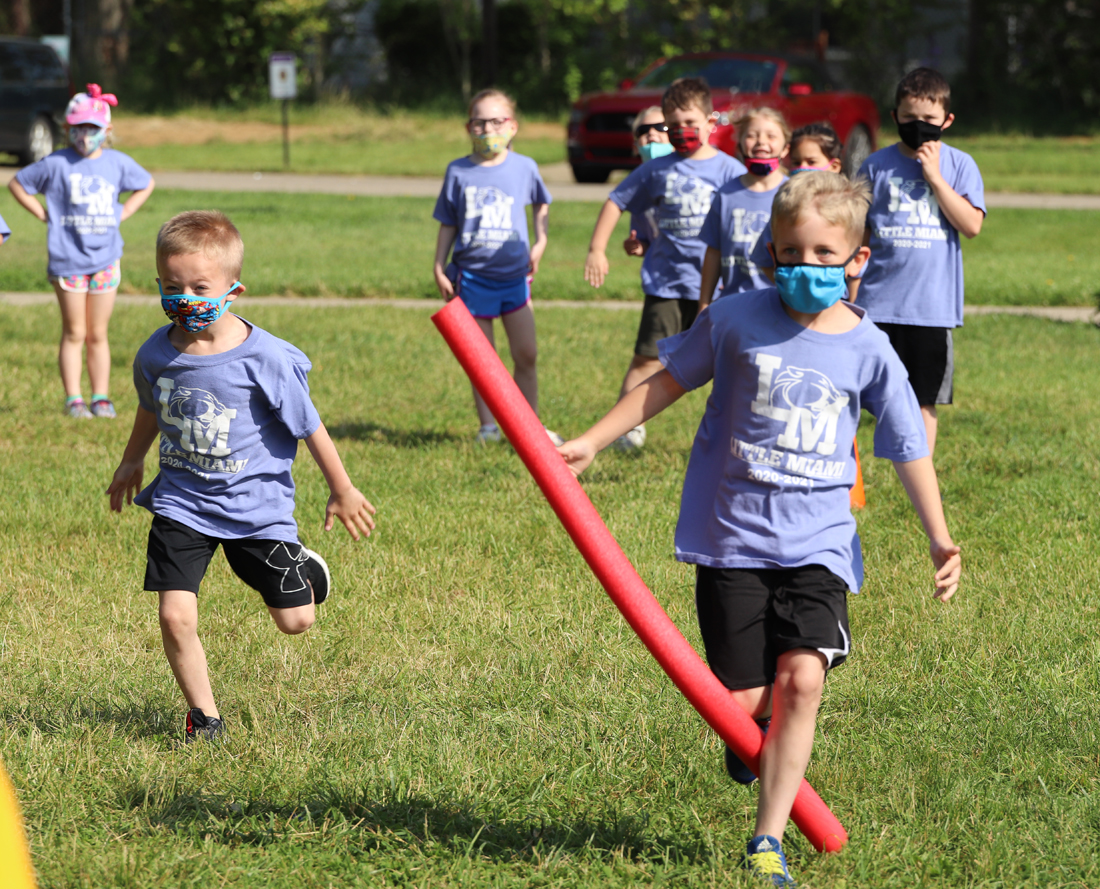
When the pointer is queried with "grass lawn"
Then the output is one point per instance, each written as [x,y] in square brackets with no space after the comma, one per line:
[328,244]
[471,710]
[336,138]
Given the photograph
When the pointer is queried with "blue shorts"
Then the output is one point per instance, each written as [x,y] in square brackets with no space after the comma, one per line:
[486,298]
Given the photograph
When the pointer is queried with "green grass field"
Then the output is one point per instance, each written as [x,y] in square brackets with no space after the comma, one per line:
[341,138]
[328,244]
[470,710]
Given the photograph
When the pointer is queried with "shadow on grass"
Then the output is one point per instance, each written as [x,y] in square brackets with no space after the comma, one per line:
[459,828]
[398,438]
[133,720]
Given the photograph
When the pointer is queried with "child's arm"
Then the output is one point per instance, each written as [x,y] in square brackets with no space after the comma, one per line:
[27,201]
[596,265]
[443,243]
[127,478]
[541,214]
[962,214]
[644,401]
[919,479]
[345,502]
[136,199]
[712,266]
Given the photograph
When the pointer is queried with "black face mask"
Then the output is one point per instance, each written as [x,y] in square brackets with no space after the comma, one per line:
[915,133]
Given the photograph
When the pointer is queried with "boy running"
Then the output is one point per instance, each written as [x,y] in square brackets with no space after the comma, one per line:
[230,403]
[679,188]
[925,194]
[764,514]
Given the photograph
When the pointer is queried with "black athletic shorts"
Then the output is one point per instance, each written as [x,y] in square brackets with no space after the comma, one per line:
[661,318]
[750,616]
[928,353]
[178,557]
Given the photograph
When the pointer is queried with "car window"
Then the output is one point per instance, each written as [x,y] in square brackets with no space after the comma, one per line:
[11,64]
[44,64]
[802,73]
[736,75]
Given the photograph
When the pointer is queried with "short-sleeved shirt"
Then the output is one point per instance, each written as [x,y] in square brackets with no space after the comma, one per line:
[486,205]
[229,430]
[679,191]
[83,206]
[915,274]
[768,478]
[737,218]
[5,232]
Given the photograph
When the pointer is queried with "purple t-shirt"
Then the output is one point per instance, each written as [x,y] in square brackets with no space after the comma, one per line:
[229,430]
[487,206]
[768,478]
[736,220]
[83,207]
[915,274]
[679,191]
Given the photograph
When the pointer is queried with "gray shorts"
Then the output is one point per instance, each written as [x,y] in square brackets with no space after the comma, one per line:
[662,318]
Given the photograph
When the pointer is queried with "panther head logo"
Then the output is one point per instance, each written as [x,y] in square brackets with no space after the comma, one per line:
[804,387]
[94,192]
[200,411]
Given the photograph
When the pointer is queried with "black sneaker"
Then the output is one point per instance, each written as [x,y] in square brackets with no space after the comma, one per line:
[318,575]
[199,725]
[737,770]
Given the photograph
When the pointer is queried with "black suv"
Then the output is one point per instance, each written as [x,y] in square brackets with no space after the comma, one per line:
[34,91]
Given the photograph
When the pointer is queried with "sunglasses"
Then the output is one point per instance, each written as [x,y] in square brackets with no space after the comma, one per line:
[643,128]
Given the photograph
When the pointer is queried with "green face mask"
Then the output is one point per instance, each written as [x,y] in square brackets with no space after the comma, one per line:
[489,145]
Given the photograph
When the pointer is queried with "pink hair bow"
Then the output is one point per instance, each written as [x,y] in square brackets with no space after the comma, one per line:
[95,91]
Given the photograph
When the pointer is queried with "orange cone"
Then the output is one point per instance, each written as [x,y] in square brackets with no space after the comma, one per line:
[856,496]
[15,860]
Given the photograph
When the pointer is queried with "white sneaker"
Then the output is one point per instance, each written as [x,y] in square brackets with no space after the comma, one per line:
[488,432]
[632,440]
[556,439]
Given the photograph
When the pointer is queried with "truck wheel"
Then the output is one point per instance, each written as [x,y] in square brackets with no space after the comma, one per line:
[39,141]
[590,174]
[856,150]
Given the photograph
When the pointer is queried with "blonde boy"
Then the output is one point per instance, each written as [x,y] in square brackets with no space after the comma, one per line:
[229,402]
[764,514]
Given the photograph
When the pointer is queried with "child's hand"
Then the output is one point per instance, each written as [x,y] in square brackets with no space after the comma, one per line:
[537,249]
[351,508]
[125,484]
[948,561]
[928,156]
[446,288]
[633,246]
[578,454]
[596,268]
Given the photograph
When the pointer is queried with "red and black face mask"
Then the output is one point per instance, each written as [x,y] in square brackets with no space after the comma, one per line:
[685,139]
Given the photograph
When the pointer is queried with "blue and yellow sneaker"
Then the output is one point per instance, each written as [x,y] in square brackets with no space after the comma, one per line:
[740,772]
[764,858]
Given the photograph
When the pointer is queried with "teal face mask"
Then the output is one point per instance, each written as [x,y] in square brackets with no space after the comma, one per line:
[811,288]
[655,149]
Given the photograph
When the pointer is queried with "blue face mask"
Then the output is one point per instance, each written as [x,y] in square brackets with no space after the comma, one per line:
[811,288]
[194,313]
[655,149]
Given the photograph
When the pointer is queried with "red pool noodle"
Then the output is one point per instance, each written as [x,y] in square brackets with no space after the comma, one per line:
[614,570]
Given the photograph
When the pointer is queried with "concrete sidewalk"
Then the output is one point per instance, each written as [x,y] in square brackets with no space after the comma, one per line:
[557,178]
[1051,313]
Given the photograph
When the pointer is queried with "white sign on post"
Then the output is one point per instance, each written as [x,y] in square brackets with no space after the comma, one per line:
[282,70]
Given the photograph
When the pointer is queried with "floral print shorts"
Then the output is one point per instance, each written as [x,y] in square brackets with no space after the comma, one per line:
[105,279]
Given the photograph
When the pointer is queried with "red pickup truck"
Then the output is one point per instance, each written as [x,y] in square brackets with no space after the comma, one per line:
[600,140]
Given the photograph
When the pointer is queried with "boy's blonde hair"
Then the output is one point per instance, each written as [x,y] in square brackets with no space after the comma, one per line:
[771,114]
[491,94]
[687,93]
[643,114]
[835,198]
[208,232]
